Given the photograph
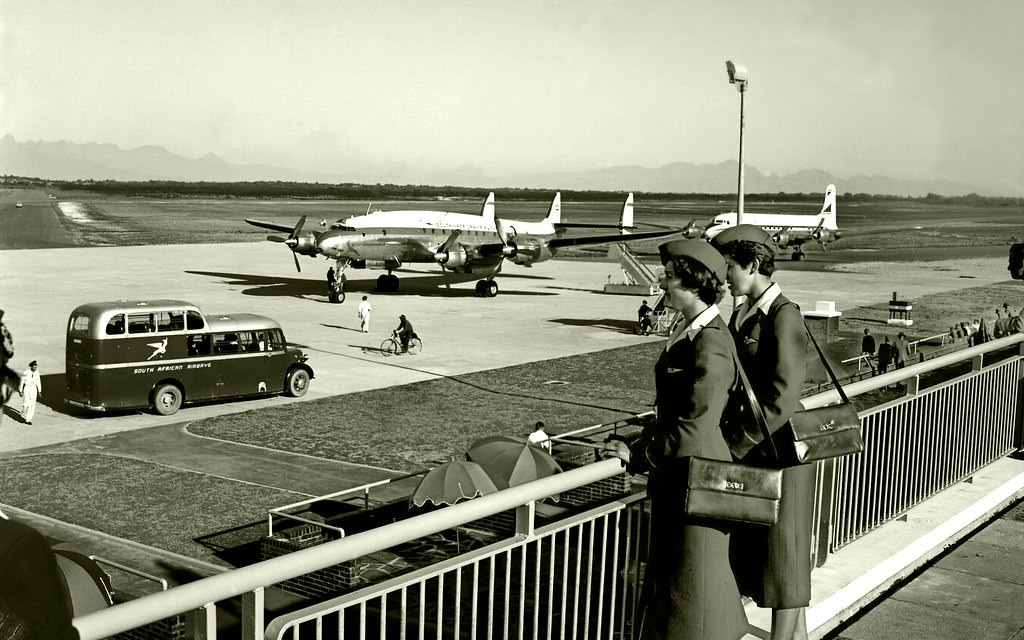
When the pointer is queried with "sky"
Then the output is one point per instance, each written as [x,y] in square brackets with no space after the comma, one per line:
[915,89]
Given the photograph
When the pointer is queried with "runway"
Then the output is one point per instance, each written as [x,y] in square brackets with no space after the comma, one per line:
[551,310]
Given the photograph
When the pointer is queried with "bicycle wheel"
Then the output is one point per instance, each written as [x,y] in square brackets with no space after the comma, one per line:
[415,346]
[389,347]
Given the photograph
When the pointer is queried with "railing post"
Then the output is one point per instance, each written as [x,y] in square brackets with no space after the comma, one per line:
[913,385]
[252,615]
[204,622]
[823,527]
[526,519]
[977,362]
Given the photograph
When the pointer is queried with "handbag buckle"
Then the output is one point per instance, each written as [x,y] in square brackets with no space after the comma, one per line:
[828,426]
[733,485]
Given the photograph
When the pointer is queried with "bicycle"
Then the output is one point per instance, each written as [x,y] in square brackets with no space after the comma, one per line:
[393,345]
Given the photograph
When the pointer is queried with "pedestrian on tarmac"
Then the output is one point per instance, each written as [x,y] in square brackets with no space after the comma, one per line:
[772,563]
[31,388]
[363,313]
[885,355]
[644,318]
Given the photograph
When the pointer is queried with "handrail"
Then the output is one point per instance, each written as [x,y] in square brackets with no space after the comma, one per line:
[131,570]
[122,617]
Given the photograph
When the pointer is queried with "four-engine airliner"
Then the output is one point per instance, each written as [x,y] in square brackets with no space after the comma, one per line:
[789,230]
[455,241]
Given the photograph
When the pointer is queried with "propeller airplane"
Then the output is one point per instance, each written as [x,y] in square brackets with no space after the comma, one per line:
[457,242]
[789,230]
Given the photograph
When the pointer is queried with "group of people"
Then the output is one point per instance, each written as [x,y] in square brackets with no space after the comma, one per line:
[895,354]
[29,384]
[980,331]
[699,567]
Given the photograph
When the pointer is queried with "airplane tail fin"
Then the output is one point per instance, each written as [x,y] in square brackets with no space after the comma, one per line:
[626,218]
[555,212]
[487,212]
[828,209]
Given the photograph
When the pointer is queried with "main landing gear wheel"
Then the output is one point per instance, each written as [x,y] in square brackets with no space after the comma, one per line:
[387,282]
[798,256]
[336,294]
[486,288]
[297,383]
[167,399]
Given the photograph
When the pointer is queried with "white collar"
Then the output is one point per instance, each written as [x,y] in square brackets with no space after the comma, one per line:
[764,303]
[691,330]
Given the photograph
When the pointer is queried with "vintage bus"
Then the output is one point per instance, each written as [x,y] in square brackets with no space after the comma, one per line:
[132,354]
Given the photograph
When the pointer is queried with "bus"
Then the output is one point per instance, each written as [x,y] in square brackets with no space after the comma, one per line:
[160,354]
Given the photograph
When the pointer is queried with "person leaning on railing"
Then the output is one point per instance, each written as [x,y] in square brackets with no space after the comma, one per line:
[772,563]
[689,587]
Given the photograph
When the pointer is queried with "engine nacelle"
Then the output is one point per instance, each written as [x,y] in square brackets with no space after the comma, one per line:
[452,259]
[529,253]
[825,235]
[305,244]
[781,239]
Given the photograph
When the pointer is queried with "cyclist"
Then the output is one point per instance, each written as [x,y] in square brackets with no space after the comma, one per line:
[404,332]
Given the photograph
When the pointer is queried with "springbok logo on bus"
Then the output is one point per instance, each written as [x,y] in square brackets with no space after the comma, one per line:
[159,348]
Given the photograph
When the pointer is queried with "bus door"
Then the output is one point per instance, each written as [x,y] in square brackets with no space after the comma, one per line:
[240,364]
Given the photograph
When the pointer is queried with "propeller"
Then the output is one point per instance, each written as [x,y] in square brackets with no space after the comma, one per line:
[508,249]
[292,241]
[441,255]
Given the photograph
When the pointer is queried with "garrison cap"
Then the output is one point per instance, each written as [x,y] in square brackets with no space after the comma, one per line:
[698,250]
[33,363]
[748,232]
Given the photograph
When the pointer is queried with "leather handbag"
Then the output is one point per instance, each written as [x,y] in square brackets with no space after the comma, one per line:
[732,491]
[826,432]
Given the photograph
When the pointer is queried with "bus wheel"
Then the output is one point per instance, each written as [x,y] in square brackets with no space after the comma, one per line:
[297,383]
[167,399]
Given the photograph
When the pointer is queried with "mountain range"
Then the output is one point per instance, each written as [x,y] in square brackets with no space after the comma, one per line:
[83,161]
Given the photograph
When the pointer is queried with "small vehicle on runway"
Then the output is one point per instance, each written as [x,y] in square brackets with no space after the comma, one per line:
[132,354]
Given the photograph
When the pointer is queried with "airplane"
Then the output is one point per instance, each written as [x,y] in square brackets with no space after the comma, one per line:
[457,242]
[789,230]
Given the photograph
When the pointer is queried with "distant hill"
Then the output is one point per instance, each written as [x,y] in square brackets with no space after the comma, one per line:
[73,161]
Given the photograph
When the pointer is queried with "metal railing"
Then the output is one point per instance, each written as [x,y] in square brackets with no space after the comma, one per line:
[583,572]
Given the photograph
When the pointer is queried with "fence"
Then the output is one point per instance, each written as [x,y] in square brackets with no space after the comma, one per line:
[579,577]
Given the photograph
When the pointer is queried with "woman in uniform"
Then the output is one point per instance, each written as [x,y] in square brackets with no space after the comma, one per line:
[689,587]
[772,564]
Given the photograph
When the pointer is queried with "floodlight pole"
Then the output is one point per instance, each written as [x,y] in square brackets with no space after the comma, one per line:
[742,88]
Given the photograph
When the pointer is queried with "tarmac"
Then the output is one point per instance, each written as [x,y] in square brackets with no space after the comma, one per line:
[552,310]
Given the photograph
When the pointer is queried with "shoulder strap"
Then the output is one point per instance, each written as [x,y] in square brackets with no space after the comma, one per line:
[755,405]
[831,374]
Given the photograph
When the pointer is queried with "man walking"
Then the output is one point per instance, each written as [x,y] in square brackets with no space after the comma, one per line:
[902,351]
[867,347]
[364,315]
[885,354]
[31,388]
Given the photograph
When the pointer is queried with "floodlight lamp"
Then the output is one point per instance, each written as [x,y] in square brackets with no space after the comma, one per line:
[737,74]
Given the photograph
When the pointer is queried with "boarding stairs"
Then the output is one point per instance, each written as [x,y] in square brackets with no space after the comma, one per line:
[638,277]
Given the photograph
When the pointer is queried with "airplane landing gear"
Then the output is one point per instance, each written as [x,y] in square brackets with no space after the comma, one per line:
[798,255]
[486,288]
[387,282]
[336,293]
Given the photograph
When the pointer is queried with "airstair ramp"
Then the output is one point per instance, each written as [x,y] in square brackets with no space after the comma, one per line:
[638,279]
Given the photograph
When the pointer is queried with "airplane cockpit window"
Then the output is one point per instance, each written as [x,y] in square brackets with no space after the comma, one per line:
[194,320]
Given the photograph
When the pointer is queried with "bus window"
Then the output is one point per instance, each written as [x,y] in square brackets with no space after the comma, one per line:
[199,345]
[225,343]
[79,324]
[274,340]
[140,323]
[170,321]
[115,326]
[194,320]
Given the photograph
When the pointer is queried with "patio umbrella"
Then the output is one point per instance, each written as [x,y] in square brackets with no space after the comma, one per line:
[451,482]
[512,462]
[87,583]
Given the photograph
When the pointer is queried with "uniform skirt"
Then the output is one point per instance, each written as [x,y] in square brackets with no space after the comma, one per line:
[773,563]
[689,587]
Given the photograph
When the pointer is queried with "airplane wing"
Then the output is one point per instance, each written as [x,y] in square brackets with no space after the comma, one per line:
[575,241]
[270,225]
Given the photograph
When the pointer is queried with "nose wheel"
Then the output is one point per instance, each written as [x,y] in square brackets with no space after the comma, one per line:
[486,288]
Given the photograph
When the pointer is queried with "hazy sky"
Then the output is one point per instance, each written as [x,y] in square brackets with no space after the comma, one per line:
[908,89]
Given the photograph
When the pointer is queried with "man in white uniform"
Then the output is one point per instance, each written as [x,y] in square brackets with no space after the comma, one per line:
[364,315]
[31,388]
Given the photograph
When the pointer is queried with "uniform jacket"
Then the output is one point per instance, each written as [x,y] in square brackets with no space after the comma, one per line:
[772,348]
[691,377]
